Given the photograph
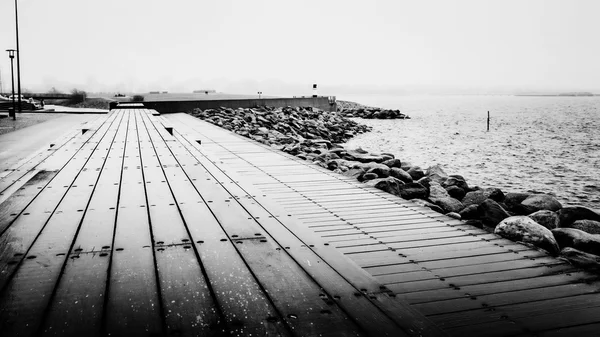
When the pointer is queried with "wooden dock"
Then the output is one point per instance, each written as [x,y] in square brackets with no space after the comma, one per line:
[148,224]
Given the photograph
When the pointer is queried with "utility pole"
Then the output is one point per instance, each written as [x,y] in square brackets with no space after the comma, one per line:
[11,55]
[18,57]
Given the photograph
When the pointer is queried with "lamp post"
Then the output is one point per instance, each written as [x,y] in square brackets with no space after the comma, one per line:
[18,57]
[259,93]
[11,54]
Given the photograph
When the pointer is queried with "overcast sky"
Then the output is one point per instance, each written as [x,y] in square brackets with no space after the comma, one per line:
[173,45]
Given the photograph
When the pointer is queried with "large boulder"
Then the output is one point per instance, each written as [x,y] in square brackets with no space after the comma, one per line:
[399,173]
[416,172]
[522,228]
[470,212]
[455,192]
[393,163]
[436,173]
[381,171]
[578,239]
[491,213]
[545,218]
[390,184]
[479,196]
[568,215]
[542,202]
[588,226]
[440,197]
[457,181]
[581,259]
[410,191]
[355,173]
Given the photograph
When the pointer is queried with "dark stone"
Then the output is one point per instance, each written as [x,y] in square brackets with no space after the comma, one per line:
[456,192]
[400,174]
[588,226]
[580,240]
[355,173]
[491,213]
[522,228]
[436,170]
[542,202]
[370,176]
[381,172]
[470,212]
[410,191]
[429,205]
[545,218]
[393,163]
[479,196]
[416,172]
[390,185]
[581,259]
[425,181]
[568,215]
[439,196]
[458,181]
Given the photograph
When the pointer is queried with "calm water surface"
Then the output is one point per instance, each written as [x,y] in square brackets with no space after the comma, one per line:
[544,144]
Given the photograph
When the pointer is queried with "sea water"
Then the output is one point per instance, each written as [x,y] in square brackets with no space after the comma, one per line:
[548,144]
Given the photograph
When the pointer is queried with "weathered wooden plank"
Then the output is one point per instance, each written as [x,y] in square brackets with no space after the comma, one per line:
[188,305]
[132,305]
[17,238]
[22,309]
[284,237]
[77,305]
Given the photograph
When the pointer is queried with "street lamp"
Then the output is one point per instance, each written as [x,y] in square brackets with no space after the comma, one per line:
[18,57]
[259,93]
[11,54]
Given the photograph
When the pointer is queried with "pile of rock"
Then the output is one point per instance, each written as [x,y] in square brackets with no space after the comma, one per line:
[374,113]
[532,218]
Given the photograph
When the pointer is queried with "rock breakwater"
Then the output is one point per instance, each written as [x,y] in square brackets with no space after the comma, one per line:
[532,218]
[352,109]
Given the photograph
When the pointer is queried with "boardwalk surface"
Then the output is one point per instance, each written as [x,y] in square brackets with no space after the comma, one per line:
[166,225]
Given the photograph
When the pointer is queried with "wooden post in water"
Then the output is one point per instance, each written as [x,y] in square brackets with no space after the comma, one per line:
[488,122]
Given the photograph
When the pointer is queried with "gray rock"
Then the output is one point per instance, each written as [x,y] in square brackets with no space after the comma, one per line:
[568,215]
[399,173]
[581,259]
[381,172]
[588,226]
[393,163]
[479,196]
[522,228]
[369,176]
[456,181]
[427,204]
[413,190]
[390,184]
[436,170]
[470,212]
[545,218]
[454,215]
[425,181]
[490,213]
[439,196]
[416,172]
[455,192]
[542,202]
[355,173]
[513,199]
[580,240]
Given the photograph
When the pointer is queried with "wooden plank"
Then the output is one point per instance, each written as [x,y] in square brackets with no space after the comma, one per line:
[130,308]
[305,253]
[76,308]
[22,229]
[188,305]
[496,287]
[21,306]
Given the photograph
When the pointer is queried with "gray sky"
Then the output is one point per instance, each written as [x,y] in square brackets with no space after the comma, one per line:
[241,44]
